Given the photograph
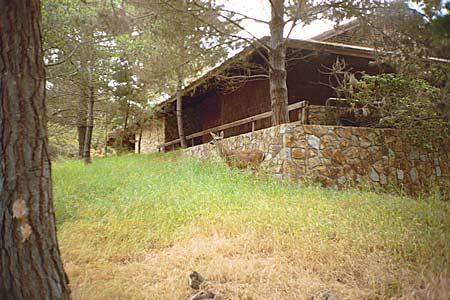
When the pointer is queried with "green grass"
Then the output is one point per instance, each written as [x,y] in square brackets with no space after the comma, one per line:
[121,207]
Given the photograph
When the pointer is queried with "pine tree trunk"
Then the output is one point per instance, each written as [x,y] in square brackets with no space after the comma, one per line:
[30,261]
[89,127]
[105,149]
[445,100]
[81,134]
[81,124]
[139,140]
[180,114]
[127,110]
[277,60]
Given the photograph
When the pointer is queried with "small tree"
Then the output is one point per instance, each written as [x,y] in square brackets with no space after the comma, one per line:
[401,102]
[71,38]
[390,100]
[185,41]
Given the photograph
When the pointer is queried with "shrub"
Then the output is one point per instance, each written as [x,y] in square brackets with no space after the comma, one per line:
[401,102]
[393,101]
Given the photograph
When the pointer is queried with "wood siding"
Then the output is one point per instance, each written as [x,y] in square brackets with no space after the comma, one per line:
[306,81]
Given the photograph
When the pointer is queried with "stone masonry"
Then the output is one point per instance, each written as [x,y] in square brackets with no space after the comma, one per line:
[339,156]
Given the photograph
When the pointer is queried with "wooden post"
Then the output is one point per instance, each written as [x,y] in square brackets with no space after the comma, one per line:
[253,126]
[302,116]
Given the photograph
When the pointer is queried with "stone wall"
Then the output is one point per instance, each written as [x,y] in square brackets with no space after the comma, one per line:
[339,156]
[152,136]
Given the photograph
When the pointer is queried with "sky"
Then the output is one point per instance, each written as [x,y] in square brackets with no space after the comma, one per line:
[260,9]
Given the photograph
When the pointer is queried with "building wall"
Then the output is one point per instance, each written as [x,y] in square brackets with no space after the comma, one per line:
[191,123]
[250,99]
[339,156]
[306,80]
[152,136]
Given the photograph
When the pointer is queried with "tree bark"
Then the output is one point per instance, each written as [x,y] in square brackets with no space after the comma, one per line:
[81,134]
[277,60]
[30,260]
[180,114]
[81,124]
[127,110]
[139,140]
[89,126]
[105,149]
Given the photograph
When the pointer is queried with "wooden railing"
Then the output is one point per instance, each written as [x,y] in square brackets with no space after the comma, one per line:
[299,105]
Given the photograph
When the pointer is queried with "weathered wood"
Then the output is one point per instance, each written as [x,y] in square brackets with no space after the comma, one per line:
[254,118]
[30,261]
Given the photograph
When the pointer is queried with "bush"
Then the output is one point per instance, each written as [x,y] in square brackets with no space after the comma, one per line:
[395,101]
[400,102]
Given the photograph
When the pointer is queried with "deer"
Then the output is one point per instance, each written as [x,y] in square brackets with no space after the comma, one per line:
[240,159]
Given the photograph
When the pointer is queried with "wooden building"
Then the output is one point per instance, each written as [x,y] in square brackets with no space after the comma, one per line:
[212,103]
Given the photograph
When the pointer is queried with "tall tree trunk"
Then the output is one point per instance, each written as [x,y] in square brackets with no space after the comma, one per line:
[139,140]
[81,123]
[445,100]
[30,261]
[106,138]
[127,111]
[180,114]
[89,125]
[277,60]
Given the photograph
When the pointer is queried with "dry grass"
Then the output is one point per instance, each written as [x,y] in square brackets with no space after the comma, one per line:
[247,267]
[142,224]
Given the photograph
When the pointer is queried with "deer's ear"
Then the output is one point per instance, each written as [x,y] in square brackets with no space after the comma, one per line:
[221,134]
[212,134]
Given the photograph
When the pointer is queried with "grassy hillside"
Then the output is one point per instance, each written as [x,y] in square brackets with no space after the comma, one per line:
[133,227]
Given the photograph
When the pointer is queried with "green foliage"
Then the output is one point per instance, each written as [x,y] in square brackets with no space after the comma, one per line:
[182,42]
[128,52]
[62,142]
[416,43]
[399,102]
